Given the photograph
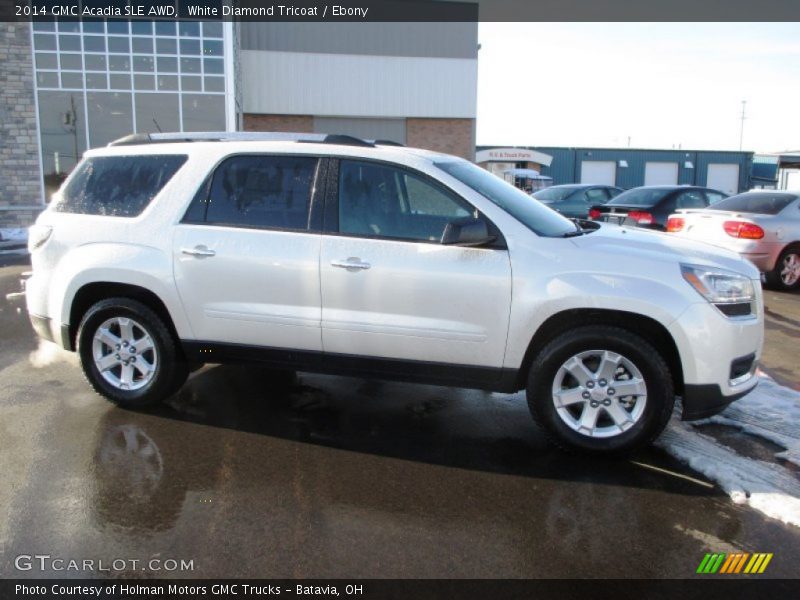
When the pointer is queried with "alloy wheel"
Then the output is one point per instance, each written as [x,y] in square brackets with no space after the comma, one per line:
[790,270]
[124,353]
[599,393]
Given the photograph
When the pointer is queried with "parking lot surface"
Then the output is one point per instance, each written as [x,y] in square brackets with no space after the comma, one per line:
[251,474]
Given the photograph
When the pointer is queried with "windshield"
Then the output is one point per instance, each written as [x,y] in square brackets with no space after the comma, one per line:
[763,203]
[555,194]
[537,217]
[640,197]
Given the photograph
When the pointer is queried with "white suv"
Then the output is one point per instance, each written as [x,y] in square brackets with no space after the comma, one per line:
[336,255]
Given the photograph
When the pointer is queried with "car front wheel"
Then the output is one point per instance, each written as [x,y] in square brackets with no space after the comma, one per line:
[601,389]
[128,354]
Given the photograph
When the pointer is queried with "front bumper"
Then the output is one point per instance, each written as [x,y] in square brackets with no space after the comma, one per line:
[702,401]
[719,356]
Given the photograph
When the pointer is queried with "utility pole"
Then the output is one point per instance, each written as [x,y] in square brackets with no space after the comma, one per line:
[741,128]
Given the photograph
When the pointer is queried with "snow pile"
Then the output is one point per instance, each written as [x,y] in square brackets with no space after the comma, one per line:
[772,412]
[14,235]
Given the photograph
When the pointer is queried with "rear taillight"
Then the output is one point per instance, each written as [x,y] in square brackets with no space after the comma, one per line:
[641,217]
[675,224]
[743,229]
[594,213]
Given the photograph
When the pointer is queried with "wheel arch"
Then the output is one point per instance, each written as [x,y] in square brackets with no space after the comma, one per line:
[91,293]
[653,331]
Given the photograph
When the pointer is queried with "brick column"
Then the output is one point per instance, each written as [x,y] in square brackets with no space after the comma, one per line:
[20,176]
[451,136]
[284,123]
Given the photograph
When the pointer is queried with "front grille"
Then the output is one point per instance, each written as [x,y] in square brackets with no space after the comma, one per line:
[736,309]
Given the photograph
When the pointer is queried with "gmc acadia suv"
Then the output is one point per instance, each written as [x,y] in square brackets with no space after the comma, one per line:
[332,254]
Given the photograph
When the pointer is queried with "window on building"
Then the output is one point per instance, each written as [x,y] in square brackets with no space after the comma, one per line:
[110,116]
[63,131]
[176,71]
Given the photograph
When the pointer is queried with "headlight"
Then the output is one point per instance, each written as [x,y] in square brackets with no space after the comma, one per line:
[718,286]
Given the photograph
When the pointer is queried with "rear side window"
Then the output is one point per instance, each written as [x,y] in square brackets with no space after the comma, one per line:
[118,186]
[262,192]
[764,203]
[643,196]
[691,199]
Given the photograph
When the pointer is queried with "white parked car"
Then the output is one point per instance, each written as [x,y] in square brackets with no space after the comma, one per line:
[762,226]
[335,255]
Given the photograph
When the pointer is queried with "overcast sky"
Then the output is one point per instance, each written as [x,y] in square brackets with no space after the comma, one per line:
[662,84]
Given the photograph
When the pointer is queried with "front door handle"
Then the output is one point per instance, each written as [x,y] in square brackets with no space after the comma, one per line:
[351,264]
[198,251]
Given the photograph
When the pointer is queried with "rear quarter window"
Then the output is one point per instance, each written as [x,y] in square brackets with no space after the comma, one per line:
[764,203]
[117,186]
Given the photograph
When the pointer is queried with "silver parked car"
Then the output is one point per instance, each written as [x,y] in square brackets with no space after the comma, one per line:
[762,226]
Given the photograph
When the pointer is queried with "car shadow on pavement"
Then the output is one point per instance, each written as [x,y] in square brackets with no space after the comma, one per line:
[451,427]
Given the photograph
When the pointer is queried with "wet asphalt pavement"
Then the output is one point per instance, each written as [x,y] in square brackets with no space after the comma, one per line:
[249,473]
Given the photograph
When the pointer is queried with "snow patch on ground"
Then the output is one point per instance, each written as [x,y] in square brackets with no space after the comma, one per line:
[772,412]
[14,235]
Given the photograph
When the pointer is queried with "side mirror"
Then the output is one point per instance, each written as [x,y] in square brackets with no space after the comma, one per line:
[467,232]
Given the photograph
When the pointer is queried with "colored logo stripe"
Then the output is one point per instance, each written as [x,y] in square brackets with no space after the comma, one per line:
[758,564]
[711,563]
[734,563]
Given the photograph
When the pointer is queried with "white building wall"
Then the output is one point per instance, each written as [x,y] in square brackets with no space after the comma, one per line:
[305,83]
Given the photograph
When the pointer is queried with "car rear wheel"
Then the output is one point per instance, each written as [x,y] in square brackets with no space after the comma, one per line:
[786,274]
[128,354]
[600,389]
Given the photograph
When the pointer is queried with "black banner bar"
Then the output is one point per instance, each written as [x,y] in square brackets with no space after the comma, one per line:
[704,588]
[408,10]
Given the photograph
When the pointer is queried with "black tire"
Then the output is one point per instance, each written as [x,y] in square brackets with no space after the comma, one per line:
[774,279]
[171,369]
[652,366]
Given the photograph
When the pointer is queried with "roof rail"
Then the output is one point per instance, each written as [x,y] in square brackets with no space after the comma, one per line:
[247,136]
[389,143]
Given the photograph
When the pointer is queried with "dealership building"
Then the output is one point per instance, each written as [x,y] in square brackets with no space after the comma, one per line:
[74,85]
[730,172]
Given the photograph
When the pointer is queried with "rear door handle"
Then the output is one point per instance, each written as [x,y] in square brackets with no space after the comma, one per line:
[351,264]
[198,251]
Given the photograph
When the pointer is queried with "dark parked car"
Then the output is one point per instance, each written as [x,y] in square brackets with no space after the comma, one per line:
[575,200]
[650,206]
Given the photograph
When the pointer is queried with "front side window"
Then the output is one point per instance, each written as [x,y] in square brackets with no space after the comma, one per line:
[119,186]
[534,215]
[262,192]
[381,201]
[596,195]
